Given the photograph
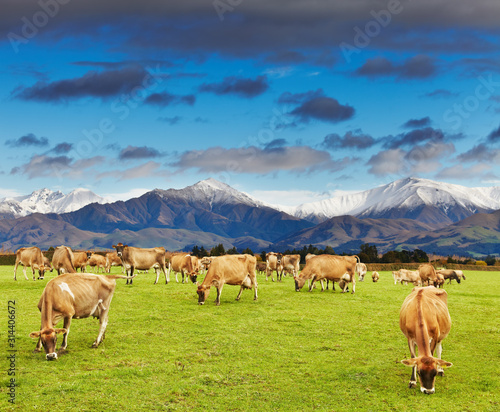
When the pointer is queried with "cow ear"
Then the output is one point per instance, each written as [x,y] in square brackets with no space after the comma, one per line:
[61,330]
[114,246]
[409,362]
[34,335]
[444,363]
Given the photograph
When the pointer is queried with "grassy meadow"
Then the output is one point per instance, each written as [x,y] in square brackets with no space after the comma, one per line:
[288,351]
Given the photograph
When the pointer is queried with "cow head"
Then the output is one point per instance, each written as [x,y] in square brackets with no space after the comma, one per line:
[48,337]
[119,249]
[427,369]
[193,276]
[89,254]
[279,256]
[299,283]
[202,292]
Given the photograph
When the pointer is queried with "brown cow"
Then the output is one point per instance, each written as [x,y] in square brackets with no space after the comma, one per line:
[273,263]
[290,264]
[97,262]
[30,257]
[335,268]
[361,271]
[449,274]
[425,321]
[185,264]
[62,260]
[47,264]
[142,259]
[407,276]
[375,276]
[230,270]
[261,267]
[73,296]
[112,259]
[80,260]
[428,274]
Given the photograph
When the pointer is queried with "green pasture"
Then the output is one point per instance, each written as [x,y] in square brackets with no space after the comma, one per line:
[288,351]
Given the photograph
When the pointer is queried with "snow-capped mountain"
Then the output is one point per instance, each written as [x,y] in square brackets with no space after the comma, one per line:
[211,192]
[421,199]
[47,201]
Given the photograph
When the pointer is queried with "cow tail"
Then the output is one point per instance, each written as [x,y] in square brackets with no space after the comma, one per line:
[357,257]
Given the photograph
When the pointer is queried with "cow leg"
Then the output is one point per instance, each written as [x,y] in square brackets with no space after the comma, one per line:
[103,321]
[38,346]
[67,324]
[240,292]
[15,270]
[33,271]
[219,292]
[157,270]
[353,284]
[24,272]
[413,377]
[312,284]
[439,350]
[167,278]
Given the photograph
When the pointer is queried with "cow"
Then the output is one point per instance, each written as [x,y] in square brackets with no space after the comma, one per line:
[460,274]
[186,265]
[335,268]
[261,267]
[289,264]
[62,260]
[449,274]
[80,260]
[142,259]
[97,262]
[71,296]
[425,321]
[205,263]
[428,274]
[112,259]
[30,257]
[230,270]
[375,276]
[407,276]
[361,271]
[47,264]
[273,262]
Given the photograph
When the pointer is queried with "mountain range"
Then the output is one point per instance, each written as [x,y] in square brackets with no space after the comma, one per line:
[408,213]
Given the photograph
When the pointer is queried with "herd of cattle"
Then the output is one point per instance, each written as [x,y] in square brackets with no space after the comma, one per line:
[424,316]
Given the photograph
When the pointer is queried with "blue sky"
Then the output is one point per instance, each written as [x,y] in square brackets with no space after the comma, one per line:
[290,101]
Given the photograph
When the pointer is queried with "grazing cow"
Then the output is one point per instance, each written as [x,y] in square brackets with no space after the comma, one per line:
[142,259]
[375,276]
[289,264]
[47,264]
[30,257]
[112,259]
[361,271]
[425,321]
[407,276]
[428,274]
[273,262]
[97,262]
[334,268]
[62,260]
[449,274]
[460,274]
[205,263]
[261,267]
[80,260]
[184,264]
[73,296]
[230,270]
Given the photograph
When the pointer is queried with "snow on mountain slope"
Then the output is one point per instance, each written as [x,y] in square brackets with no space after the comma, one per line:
[211,191]
[47,201]
[409,194]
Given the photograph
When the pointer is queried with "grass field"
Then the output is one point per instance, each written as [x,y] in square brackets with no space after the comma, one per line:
[288,351]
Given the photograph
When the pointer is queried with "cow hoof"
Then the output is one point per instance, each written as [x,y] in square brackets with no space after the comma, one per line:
[61,351]
[412,384]
[36,350]
[95,345]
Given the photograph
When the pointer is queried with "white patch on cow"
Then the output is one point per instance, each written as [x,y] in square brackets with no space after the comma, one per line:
[64,287]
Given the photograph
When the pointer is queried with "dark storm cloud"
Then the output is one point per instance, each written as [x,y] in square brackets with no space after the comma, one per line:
[416,123]
[259,26]
[416,67]
[28,140]
[93,84]
[134,152]
[351,140]
[323,108]
[479,153]
[164,99]
[242,87]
